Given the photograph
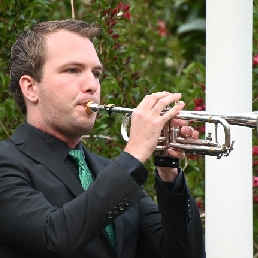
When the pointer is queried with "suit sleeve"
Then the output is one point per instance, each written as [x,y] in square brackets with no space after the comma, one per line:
[173,228]
[176,229]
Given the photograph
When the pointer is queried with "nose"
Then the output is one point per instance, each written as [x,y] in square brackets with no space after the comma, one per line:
[90,84]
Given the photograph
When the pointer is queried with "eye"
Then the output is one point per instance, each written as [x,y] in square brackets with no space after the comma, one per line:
[97,74]
[72,70]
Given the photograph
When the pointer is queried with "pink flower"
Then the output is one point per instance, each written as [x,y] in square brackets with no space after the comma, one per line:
[113,23]
[255,163]
[193,157]
[255,198]
[200,129]
[127,15]
[106,11]
[162,28]
[162,24]
[203,86]
[114,11]
[125,7]
[199,204]
[255,181]
[255,60]
[198,108]
[115,36]
[255,151]
[198,102]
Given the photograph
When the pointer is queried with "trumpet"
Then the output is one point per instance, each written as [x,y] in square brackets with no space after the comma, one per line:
[170,135]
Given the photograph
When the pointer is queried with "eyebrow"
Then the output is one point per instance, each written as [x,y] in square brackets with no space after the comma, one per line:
[75,63]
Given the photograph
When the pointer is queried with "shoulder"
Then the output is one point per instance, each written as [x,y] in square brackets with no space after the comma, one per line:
[6,146]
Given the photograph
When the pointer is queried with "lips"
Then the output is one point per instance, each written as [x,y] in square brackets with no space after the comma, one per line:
[84,101]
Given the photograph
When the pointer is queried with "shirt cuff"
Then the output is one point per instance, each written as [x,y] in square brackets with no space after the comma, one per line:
[176,187]
[134,167]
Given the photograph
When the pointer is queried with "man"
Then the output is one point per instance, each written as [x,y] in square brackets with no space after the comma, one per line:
[45,209]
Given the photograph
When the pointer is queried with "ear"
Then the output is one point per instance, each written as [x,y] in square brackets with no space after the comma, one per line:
[29,88]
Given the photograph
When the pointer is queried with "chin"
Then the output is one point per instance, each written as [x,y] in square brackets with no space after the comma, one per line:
[82,125]
[84,129]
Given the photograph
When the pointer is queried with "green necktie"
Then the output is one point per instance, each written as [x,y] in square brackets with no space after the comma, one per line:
[86,179]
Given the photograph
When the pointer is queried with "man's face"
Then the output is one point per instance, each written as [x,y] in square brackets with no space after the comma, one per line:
[70,79]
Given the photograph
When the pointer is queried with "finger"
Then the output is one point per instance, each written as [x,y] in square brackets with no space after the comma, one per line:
[195,134]
[149,101]
[162,103]
[174,111]
[189,132]
[178,122]
[176,153]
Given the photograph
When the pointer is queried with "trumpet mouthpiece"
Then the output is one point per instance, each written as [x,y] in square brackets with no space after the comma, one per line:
[87,107]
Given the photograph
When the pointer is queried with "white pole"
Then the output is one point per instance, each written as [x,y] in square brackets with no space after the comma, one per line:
[228,181]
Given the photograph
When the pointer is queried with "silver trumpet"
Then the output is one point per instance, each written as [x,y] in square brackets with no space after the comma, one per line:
[170,135]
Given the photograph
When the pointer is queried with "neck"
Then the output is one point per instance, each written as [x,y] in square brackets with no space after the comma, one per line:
[71,142]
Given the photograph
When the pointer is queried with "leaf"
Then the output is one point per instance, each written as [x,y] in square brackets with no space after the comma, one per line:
[194,25]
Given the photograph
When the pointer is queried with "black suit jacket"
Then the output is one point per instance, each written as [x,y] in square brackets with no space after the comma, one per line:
[44,212]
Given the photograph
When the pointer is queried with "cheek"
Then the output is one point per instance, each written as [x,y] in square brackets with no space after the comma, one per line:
[97,94]
[54,98]
[60,91]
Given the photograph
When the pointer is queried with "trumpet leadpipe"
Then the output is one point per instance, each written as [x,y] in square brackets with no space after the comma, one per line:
[240,119]
[110,108]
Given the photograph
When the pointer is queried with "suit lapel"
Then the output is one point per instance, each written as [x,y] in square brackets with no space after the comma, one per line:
[31,145]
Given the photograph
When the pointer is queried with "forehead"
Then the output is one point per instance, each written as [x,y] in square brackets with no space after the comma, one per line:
[65,45]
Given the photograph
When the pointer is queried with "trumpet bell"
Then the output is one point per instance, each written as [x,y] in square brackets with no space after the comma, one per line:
[241,119]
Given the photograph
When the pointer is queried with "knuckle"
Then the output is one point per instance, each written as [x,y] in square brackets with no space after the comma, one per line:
[162,102]
[155,96]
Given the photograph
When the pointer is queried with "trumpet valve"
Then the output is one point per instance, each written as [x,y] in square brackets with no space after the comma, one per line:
[160,148]
[161,139]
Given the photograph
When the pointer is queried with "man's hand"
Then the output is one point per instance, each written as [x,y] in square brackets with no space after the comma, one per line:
[170,174]
[147,123]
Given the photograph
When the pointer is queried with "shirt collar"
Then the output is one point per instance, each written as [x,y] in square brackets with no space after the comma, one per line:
[56,145]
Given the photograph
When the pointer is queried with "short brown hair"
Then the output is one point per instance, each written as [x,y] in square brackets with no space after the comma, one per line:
[28,52]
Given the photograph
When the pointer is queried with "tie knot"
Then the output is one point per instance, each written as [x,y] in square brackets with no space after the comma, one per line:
[84,172]
[77,155]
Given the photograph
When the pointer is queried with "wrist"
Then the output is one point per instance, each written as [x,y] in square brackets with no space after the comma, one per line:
[167,174]
[141,156]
